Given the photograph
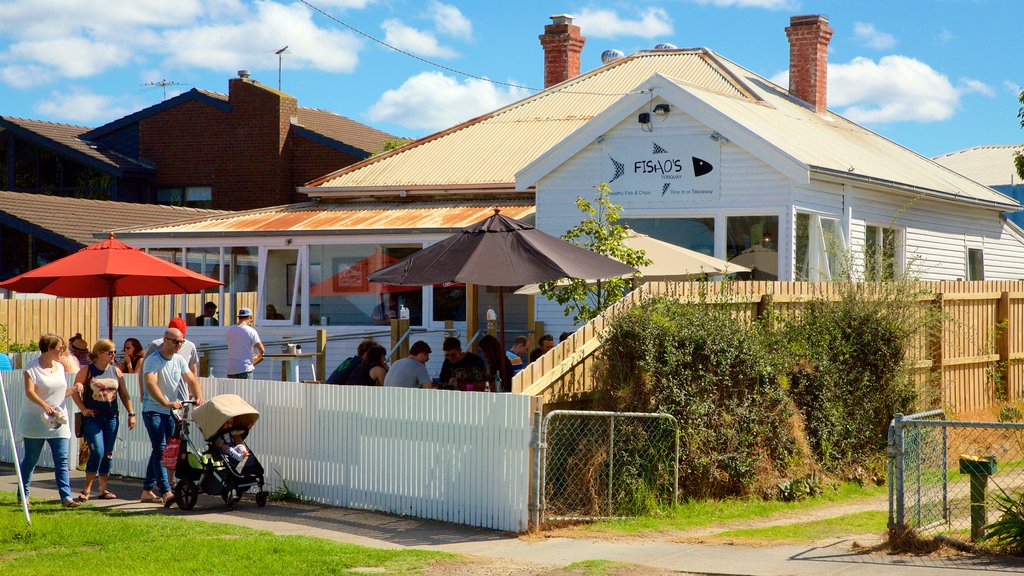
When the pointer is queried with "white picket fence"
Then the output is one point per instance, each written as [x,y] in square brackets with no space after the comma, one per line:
[451,456]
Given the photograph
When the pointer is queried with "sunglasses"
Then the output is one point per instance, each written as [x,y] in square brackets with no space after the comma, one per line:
[178,342]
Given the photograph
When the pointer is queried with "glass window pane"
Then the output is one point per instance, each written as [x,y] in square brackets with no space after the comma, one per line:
[242,269]
[450,302]
[4,185]
[975,264]
[199,197]
[172,196]
[803,240]
[697,234]
[26,166]
[834,247]
[344,296]
[752,241]
[281,294]
[205,261]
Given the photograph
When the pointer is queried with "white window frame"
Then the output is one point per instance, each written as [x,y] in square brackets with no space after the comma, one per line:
[899,247]
[820,256]
[980,250]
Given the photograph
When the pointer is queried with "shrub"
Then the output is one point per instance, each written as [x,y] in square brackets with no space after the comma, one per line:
[852,371]
[718,376]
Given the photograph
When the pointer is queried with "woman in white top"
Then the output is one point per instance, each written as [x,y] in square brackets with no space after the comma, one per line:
[46,387]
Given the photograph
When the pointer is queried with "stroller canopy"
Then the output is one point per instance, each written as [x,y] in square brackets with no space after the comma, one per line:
[212,415]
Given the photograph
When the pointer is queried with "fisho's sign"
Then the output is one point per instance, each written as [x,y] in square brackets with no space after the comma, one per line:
[662,169]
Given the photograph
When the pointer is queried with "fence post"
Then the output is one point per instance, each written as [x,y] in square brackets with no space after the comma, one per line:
[898,447]
[321,359]
[537,450]
[1003,342]
[935,344]
[611,463]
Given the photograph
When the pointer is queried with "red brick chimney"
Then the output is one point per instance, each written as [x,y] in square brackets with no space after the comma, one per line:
[808,59]
[562,48]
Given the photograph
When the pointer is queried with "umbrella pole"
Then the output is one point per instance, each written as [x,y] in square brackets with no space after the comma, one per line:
[505,381]
[14,449]
[110,313]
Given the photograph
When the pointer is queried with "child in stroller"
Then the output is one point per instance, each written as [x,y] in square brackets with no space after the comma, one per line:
[226,467]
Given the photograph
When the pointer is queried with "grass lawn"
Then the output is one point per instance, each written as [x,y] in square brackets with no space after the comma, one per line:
[699,514]
[95,541]
[873,522]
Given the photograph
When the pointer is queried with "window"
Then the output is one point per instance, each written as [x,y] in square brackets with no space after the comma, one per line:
[881,253]
[975,264]
[191,196]
[697,234]
[819,248]
[343,296]
[752,241]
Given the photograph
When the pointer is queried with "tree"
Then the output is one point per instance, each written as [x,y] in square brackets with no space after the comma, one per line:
[597,232]
[1018,156]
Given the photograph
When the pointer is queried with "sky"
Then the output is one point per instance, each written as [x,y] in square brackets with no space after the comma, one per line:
[933,75]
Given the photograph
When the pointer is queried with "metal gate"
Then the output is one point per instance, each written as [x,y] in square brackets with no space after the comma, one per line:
[599,465]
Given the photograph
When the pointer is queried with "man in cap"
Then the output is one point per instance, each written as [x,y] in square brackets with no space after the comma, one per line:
[245,349]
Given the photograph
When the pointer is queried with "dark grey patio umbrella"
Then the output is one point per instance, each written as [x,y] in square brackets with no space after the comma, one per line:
[499,251]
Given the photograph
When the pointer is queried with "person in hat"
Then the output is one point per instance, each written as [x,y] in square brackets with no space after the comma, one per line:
[245,349]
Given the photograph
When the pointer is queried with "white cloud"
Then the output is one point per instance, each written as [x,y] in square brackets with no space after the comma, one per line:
[72,57]
[251,42]
[80,106]
[769,4]
[352,4]
[1013,87]
[415,41]
[976,86]
[23,77]
[894,89]
[872,37]
[945,36]
[109,19]
[433,101]
[599,23]
[450,21]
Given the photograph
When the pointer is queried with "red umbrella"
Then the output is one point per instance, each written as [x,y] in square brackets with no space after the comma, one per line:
[107,269]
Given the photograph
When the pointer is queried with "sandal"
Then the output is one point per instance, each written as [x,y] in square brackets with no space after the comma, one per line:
[107,495]
[150,498]
[169,500]
[83,497]
[69,503]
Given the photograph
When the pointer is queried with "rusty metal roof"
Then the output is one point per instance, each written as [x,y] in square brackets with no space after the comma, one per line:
[490,149]
[315,218]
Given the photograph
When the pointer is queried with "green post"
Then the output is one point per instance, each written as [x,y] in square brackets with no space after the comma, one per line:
[979,468]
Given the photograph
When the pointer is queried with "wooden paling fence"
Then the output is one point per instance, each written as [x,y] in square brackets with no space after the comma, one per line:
[968,361]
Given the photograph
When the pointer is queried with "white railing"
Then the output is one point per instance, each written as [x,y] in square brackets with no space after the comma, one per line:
[434,454]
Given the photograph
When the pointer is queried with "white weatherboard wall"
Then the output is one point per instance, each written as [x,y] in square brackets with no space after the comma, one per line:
[452,456]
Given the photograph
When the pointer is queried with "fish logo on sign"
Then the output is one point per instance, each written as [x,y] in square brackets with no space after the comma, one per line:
[701,167]
[620,169]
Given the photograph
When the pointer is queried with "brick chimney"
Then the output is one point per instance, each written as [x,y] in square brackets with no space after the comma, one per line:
[808,59]
[562,48]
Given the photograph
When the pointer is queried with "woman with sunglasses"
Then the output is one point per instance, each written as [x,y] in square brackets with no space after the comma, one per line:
[97,388]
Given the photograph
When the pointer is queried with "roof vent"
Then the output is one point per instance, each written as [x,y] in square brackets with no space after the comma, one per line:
[244,73]
[665,46]
[611,55]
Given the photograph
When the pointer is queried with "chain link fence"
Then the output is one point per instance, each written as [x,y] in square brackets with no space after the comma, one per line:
[947,478]
[600,465]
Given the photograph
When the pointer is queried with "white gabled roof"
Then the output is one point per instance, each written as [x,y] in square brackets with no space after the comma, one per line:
[989,165]
[493,150]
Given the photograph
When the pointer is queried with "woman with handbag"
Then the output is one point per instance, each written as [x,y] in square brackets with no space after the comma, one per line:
[98,385]
[43,420]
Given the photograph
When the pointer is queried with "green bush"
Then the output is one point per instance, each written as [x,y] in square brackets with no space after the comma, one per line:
[852,371]
[718,376]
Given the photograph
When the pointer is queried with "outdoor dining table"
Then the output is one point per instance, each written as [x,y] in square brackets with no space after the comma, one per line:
[291,363]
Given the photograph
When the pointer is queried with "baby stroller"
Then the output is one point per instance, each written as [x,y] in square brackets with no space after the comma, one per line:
[226,467]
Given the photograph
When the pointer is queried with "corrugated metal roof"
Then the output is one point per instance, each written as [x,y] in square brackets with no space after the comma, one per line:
[988,165]
[78,219]
[492,148]
[360,216]
[838,146]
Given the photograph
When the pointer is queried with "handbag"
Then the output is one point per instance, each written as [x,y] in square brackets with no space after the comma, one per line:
[78,424]
[171,450]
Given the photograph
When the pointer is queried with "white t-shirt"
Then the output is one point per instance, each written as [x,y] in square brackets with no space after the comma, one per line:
[187,351]
[407,373]
[50,385]
[241,340]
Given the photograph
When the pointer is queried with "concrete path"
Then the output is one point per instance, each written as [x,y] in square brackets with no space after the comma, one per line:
[386,531]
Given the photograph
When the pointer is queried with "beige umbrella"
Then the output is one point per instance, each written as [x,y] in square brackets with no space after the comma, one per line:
[668,262]
[763,261]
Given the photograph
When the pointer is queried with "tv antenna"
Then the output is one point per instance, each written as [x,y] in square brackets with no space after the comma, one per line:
[163,84]
[280,60]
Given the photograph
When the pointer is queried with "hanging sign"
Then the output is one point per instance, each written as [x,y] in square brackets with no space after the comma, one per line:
[669,169]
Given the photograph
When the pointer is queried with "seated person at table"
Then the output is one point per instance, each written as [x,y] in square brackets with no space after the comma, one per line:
[373,369]
[273,314]
[458,365]
[209,311]
[546,342]
[344,370]
[411,371]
